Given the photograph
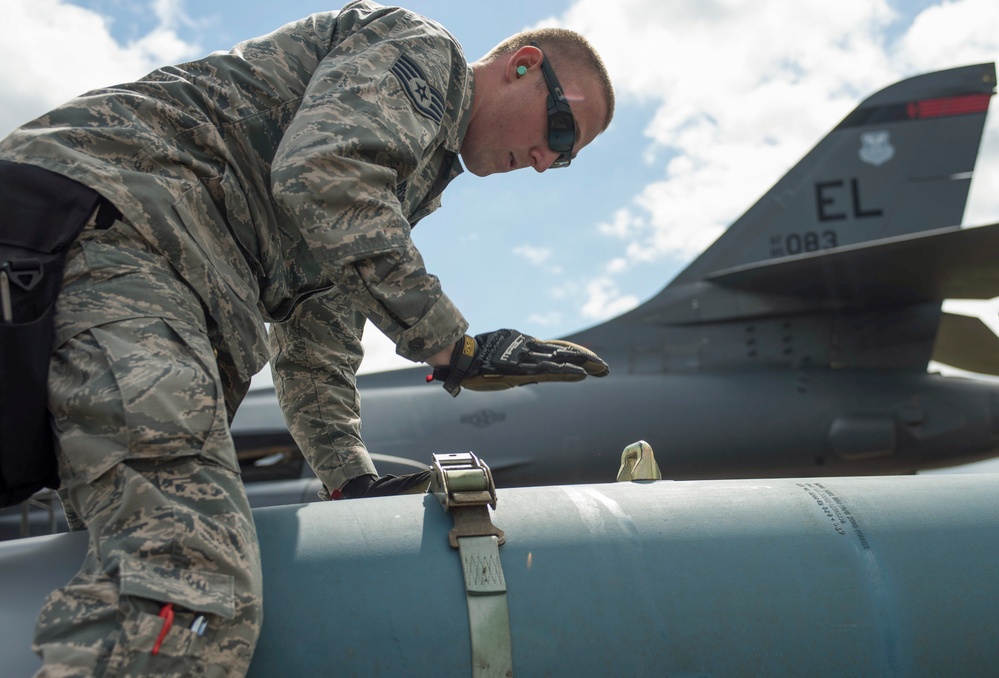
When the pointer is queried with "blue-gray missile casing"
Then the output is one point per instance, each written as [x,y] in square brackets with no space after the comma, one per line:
[864,576]
[845,576]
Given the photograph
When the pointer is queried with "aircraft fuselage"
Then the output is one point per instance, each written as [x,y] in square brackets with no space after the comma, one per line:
[761,423]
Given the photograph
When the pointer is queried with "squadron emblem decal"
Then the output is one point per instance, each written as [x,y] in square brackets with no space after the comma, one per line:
[427,99]
[483,418]
[876,148]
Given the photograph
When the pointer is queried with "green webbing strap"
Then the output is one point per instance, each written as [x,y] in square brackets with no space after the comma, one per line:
[464,485]
[488,614]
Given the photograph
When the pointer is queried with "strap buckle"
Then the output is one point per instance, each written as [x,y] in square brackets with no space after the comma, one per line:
[25,273]
[464,486]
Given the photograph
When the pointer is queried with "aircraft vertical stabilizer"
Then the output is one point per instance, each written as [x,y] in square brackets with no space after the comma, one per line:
[844,263]
[900,163]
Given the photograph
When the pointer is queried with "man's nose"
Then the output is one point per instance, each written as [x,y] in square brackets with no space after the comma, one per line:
[543,158]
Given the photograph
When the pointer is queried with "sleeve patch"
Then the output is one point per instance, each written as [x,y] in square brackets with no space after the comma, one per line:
[427,100]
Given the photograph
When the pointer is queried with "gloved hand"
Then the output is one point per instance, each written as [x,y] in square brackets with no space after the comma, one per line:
[383,486]
[507,358]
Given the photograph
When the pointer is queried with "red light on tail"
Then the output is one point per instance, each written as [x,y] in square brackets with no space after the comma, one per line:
[948,106]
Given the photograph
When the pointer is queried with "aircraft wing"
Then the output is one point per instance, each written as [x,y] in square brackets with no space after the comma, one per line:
[967,344]
[948,263]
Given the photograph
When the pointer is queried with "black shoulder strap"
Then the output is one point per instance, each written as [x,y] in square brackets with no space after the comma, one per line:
[43,211]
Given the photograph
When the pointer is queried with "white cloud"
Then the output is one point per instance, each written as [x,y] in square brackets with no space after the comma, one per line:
[53,51]
[550,319]
[625,225]
[950,34]
[742,90]
[618,265]
[535,255]
[604,300]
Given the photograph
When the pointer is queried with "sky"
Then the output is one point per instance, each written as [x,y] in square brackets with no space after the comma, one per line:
[716,100]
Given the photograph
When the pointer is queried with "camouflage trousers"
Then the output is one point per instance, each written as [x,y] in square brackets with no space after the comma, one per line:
[171,584]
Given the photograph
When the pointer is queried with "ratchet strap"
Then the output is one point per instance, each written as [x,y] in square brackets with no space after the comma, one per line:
[464,486]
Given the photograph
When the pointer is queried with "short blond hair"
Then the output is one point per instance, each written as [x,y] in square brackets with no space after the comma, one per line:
[568,52]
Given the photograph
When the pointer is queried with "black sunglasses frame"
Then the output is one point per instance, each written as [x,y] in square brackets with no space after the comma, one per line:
[561,122]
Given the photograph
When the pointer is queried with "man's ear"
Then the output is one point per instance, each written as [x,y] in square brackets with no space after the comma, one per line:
[528,56]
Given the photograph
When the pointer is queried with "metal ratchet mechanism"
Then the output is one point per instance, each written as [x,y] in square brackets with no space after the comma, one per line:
[464,486]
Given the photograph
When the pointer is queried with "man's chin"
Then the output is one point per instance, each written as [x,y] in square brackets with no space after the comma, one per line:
[476,167]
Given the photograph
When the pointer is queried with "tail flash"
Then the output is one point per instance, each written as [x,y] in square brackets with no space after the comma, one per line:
[900,163]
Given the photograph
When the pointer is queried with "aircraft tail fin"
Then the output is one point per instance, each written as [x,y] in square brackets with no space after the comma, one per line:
[845,262]
[900,163]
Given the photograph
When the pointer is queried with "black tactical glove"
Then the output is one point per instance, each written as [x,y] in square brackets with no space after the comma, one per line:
[383,486]
[507,358]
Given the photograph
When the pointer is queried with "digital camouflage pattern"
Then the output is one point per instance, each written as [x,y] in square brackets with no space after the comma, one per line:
[179,533]
[291,167]
[276,183]
[148,466]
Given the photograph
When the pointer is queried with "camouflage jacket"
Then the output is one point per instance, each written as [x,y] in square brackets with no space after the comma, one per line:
[292,166]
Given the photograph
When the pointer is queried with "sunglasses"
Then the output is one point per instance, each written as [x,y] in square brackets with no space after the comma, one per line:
[561,124]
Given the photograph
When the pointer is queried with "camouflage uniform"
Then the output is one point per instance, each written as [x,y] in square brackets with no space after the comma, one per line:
[276,183]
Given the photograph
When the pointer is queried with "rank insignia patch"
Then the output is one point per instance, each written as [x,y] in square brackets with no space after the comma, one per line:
[428,101]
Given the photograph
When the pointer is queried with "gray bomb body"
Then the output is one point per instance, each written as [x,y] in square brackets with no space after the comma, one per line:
[834,576]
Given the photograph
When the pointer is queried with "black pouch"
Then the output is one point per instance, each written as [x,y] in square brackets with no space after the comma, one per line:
[41,214]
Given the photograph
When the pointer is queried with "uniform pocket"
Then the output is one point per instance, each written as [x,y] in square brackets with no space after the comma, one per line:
[193,596]
[199,592]
[151,392]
